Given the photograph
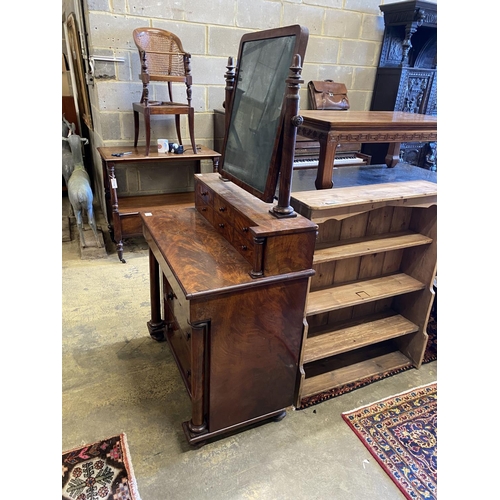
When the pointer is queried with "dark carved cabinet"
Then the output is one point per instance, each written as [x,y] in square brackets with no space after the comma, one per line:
[407,73]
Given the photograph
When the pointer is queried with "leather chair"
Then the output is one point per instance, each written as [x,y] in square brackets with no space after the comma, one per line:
[162,60]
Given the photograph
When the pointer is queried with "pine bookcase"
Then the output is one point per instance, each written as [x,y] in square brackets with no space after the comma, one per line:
[370,298]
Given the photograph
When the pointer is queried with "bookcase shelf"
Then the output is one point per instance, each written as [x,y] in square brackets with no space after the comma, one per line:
[338,340]
[359,292]
[370,365]
[365,246]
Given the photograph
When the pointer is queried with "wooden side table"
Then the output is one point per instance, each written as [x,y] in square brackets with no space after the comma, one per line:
[123,213]
[331,128]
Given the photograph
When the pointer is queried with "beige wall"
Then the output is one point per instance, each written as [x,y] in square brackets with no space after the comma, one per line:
[344,43]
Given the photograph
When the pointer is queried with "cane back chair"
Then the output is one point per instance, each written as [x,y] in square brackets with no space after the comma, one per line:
[163,60]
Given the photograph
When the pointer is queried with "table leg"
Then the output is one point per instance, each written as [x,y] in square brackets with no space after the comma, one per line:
[392,158]
[107,193]
[156,325]
[136,128]
[117,225]
[215,161]
[327,148]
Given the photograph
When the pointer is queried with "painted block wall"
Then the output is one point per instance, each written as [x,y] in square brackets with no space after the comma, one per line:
[344,45]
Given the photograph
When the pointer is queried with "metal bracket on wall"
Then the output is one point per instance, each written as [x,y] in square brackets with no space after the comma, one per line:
[90,75]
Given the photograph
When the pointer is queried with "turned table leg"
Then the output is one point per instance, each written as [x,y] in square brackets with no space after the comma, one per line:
[115,211]
[327,148]
[392,158]
[156,325]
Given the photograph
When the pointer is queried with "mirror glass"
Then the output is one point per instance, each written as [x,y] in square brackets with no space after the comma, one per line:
[250,154]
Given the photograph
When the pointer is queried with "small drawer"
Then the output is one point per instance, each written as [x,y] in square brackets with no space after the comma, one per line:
[242,224]
[178,331]
[183,335]
[180,344]
[203,194]
[223,209]
[223,226]
[176,308]
[207,212]
[243,242]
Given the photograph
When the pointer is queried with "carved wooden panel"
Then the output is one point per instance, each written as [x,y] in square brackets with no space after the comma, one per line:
[414,94]
[407,75]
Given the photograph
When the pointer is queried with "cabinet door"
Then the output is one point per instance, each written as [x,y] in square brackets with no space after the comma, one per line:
[254,345]
[415,88]
[178,330]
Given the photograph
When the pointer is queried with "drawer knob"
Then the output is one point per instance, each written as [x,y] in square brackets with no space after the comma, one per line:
[245,229]
[221,225]
[204,209]
[204,193]
[222,209]
[244,247]
[170,296]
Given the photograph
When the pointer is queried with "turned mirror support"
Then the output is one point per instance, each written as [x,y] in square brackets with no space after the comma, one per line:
[229,77]
[292,121]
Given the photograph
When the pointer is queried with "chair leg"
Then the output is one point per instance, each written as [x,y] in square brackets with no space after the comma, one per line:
[191,129]
[147,124]
[178,127]
[136,128]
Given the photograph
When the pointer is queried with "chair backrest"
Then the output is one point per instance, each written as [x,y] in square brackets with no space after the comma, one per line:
[161,54]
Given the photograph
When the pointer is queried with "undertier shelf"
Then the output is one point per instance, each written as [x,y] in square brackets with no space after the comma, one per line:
[352,367]
[136,204]
[360,292]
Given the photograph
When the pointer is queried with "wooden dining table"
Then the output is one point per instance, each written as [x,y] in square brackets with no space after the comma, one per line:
[331,128]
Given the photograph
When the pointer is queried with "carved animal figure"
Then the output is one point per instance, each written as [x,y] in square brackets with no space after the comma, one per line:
[67,157]
[79,190]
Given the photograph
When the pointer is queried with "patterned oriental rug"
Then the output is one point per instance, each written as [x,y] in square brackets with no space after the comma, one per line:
[429,355]
[401,434]
[99,471]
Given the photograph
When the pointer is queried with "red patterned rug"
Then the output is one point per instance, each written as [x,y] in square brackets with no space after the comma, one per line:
[99,471]
[429,355]
[401,434]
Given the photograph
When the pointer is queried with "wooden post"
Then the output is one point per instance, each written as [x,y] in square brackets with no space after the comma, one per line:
[292,121]
[229,76]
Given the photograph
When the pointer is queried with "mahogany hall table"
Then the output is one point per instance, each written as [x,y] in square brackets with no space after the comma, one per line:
[123,212]
[331,128]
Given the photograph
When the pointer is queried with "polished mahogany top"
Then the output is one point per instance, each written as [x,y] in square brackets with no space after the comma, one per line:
[368,120]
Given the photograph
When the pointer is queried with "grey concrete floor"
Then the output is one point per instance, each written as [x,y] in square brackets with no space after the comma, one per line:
[115,379]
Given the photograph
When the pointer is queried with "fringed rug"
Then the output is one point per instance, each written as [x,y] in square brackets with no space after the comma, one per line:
[429,355]
[99,471]
[401,433]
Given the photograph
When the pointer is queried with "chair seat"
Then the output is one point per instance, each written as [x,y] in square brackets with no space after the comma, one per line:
[164,103]
[163,108]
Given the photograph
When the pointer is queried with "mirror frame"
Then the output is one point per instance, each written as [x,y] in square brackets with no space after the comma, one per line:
[301,35]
